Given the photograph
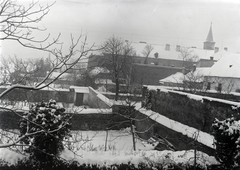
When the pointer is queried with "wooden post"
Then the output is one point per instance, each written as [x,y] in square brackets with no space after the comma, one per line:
[133,137]
[106,140]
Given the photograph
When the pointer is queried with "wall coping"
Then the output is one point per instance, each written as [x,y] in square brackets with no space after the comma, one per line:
[202,137]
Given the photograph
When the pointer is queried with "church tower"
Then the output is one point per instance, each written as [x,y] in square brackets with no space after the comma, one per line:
[209,43]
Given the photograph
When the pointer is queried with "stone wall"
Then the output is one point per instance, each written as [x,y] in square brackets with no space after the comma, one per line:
[91,121]
[97,100]
[147,128]
[63,96]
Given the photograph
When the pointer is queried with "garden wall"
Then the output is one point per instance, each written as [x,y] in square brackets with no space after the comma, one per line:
[64,96]
[199,114]
[97,100]
[146,128]
[91,121]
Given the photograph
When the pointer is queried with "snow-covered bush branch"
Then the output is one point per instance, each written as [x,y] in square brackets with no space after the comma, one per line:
[227,141]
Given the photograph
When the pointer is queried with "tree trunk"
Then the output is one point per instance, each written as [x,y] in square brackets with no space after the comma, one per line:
[133,136]
[106,140]
[117,89]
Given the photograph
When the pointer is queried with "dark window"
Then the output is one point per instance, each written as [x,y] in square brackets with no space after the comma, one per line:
[208,86]
[219,88]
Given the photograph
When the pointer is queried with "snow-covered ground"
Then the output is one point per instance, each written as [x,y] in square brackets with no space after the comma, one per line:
[116,140]
[89,147]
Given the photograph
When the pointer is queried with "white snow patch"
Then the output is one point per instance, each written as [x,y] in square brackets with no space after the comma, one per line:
[10,156]
[90,150]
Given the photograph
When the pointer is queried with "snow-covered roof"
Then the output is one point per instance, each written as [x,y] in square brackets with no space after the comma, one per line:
[201,53]
[198,74]
[104,81]
[227,66]
[220,54]
[98,70]
[80,89]
[174,78]
[64,76]
[195,76]
[172,53]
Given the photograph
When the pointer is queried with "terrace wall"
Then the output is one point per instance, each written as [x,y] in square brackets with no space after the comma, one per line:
[91,121]
[97,100]
[147,128]
[63,96]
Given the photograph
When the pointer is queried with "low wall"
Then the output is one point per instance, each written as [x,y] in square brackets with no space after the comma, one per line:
[90,121]
[97,100]
[60,95]
[123,96]
[146,128]
[98,122]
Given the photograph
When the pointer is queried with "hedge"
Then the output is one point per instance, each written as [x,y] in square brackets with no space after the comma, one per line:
[74,165]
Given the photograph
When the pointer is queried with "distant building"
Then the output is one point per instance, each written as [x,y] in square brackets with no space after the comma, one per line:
[194,79]
[164,60]
[224,75]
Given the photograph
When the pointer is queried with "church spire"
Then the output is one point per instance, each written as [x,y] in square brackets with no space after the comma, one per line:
[210,35]
[209,43]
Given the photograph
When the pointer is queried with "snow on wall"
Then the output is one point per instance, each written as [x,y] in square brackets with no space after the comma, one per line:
[193,96]
[101,99]
[202,137]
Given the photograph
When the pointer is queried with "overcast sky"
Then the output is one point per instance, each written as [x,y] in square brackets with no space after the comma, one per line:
[183,22]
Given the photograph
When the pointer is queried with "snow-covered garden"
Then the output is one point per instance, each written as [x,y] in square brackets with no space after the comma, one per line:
[88,147]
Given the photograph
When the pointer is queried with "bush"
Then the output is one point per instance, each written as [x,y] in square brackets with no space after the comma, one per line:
[227,141]
[74,165]
[43,129]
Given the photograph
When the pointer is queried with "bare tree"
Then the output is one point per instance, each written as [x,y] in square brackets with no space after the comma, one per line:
[25,72]
[193,80]
[17,23]
[188,57]
[146,52]
[118,59]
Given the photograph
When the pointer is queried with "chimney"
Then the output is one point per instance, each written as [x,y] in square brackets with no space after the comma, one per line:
[216,49]
[156,55]
[211,58]
[225,48]
[167,47]
[178,48]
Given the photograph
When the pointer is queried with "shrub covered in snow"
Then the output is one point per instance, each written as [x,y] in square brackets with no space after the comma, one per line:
[44,127]
[227,141]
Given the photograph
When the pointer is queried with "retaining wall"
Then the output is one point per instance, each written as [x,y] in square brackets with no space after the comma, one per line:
[91,121]
[146,128]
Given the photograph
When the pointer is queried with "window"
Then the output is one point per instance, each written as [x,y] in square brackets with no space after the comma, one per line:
[208,86]
[219,88]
